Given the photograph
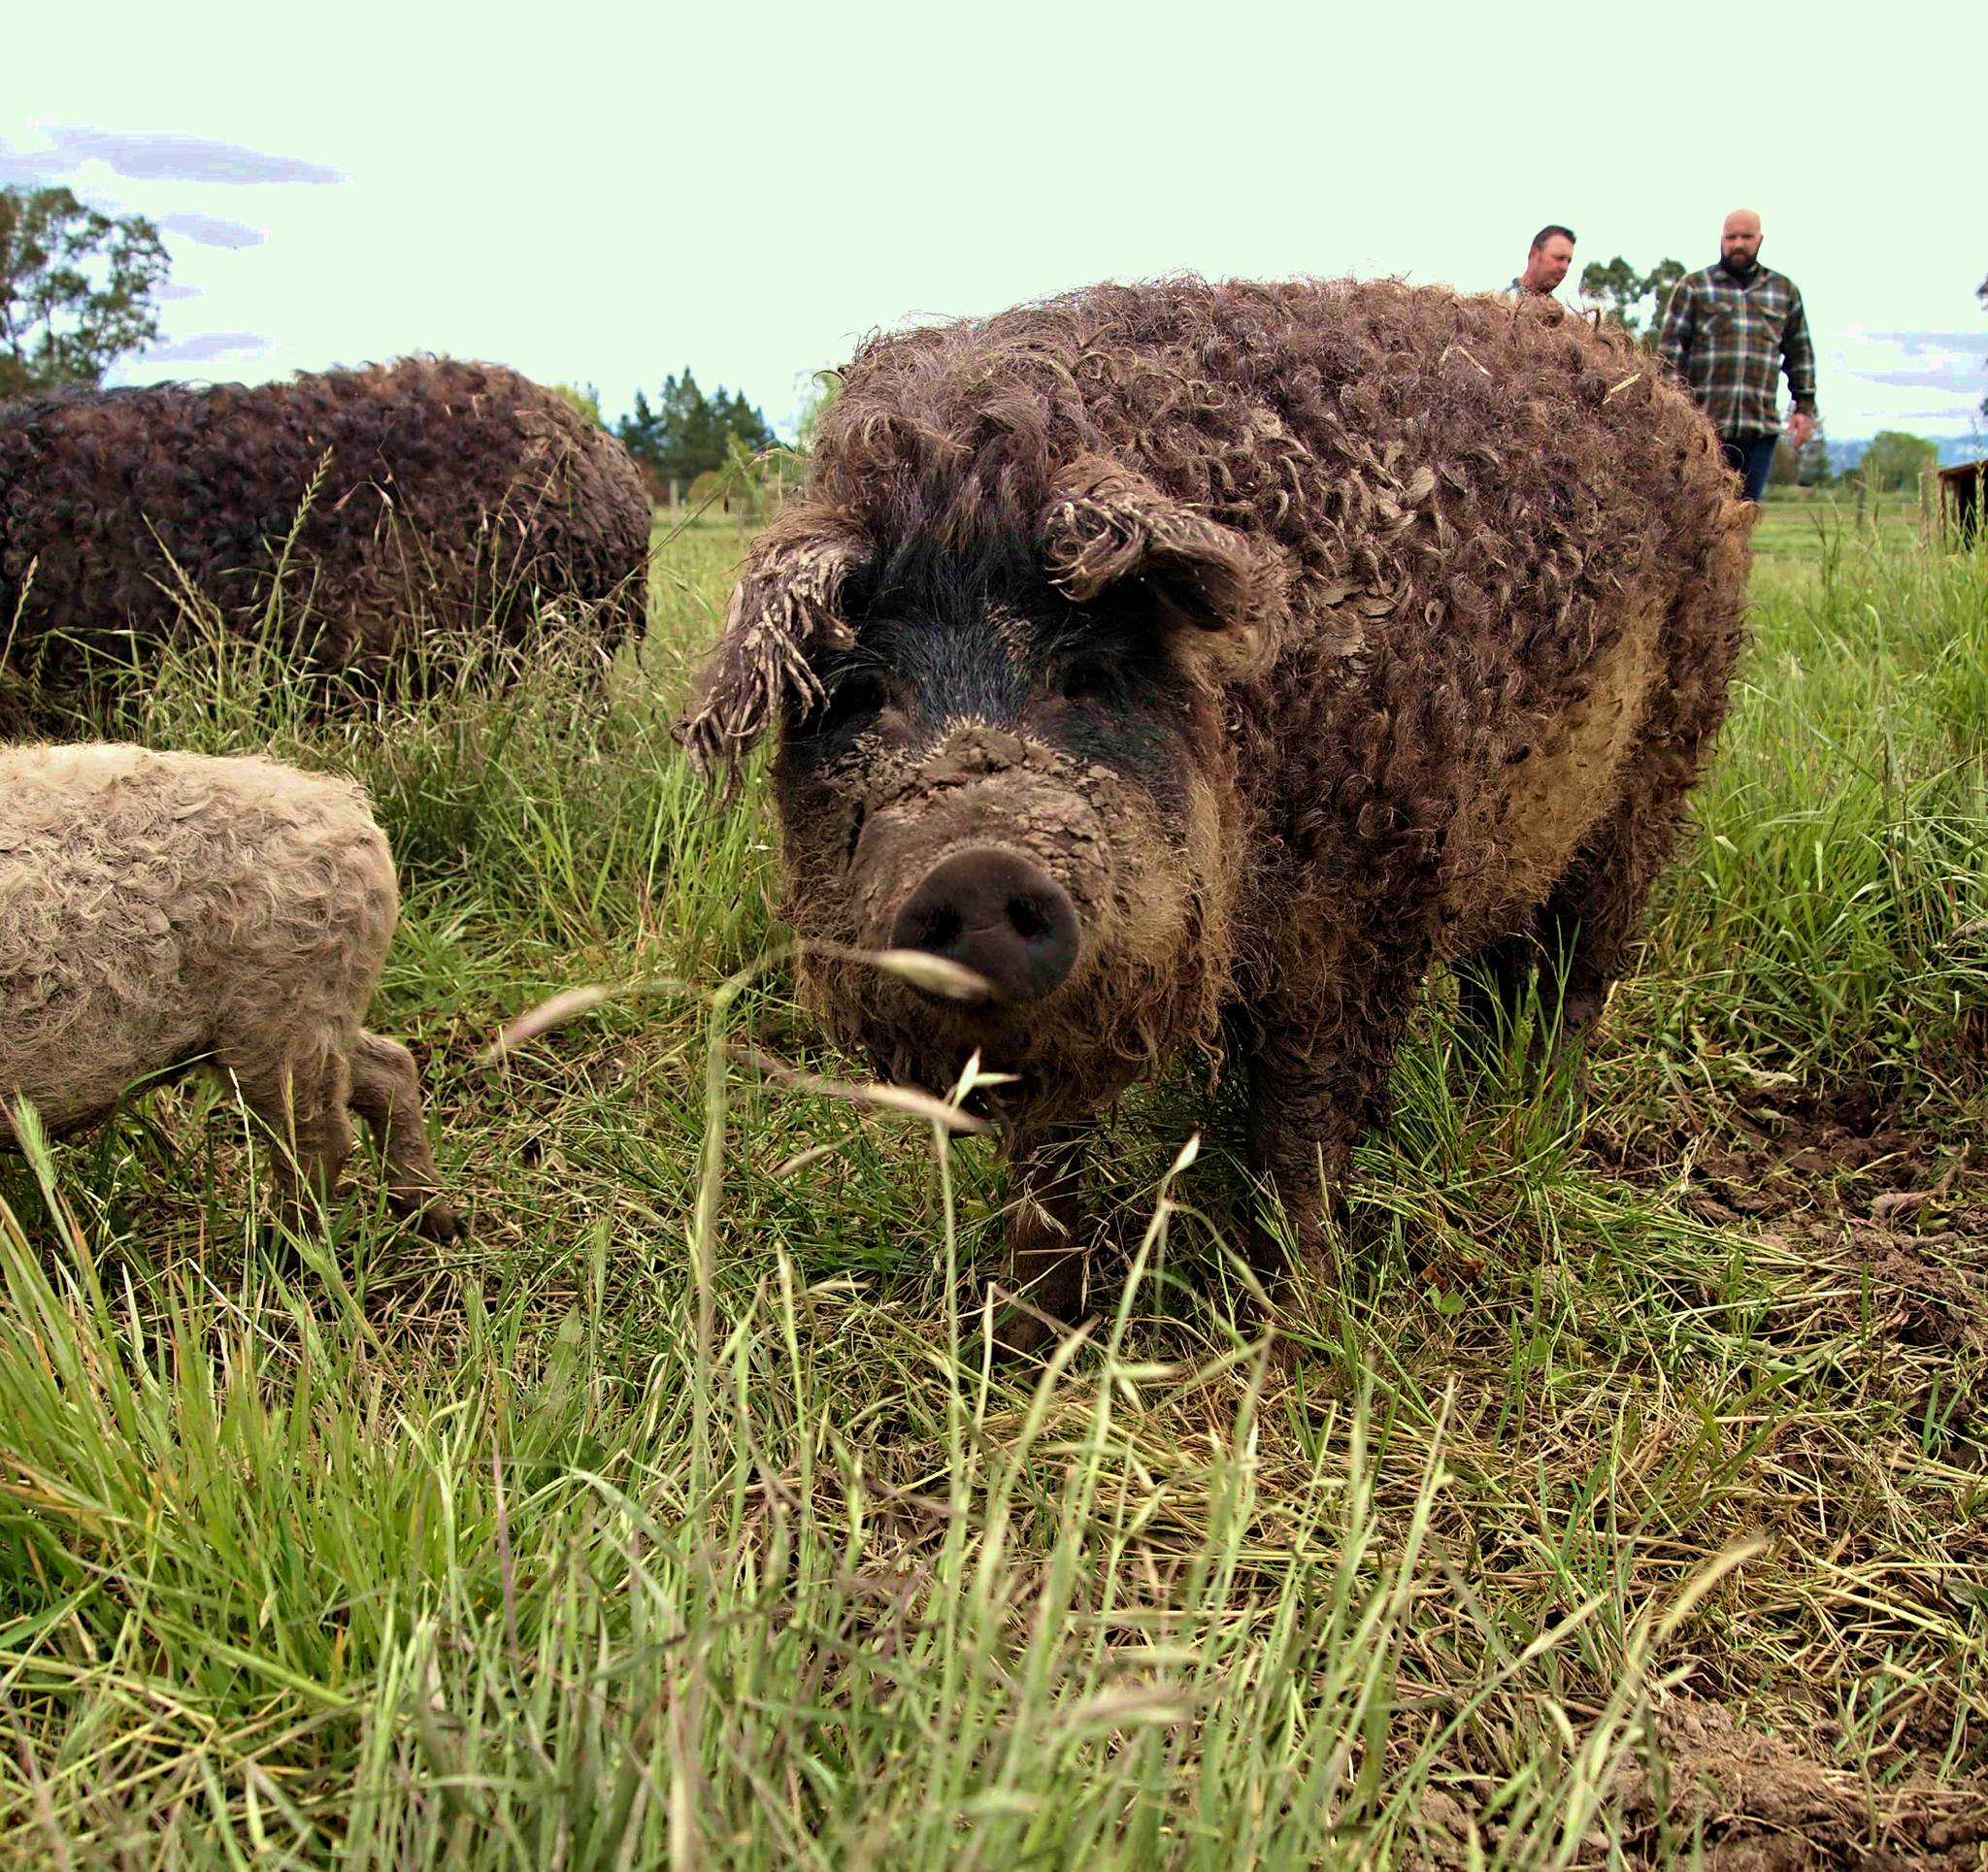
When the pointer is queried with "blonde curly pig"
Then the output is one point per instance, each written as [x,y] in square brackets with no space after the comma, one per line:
[161,911]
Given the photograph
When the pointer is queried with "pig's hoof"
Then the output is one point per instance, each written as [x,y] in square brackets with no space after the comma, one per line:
[436,1220]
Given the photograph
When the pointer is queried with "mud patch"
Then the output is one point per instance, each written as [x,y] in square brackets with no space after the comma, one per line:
[1715,1793]
[1788,1154]
[1895,1214]
[1757,1803]
[1918,1302]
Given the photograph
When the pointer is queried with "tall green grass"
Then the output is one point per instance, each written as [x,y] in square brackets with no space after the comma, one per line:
[677,1519]
[1830,919]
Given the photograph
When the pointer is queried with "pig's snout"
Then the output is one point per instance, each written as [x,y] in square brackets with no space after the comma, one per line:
[994,913]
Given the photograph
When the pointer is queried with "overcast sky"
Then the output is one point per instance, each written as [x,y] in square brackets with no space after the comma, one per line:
[599,196]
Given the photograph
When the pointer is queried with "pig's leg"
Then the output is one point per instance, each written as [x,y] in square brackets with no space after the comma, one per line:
[1491,986]
[1591,920]
[1319,1079]
[1593,915]
[1047,1238]
[386,1092]
[302,1106]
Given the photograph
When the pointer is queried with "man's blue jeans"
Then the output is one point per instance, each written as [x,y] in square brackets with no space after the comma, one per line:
[1754,457]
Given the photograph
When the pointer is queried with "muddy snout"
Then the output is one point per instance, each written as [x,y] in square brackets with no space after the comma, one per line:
[993,911]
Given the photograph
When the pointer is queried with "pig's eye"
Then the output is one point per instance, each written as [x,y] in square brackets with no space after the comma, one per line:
[1084,679]
[855,698]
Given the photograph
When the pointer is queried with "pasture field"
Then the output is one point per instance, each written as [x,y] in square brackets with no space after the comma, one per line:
[1622,1502]
[1797,523]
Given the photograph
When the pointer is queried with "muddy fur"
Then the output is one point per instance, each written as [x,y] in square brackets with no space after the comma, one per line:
[454,493]
[161,910]
[1449,589]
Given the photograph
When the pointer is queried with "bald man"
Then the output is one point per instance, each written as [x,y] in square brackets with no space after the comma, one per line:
[1729,331]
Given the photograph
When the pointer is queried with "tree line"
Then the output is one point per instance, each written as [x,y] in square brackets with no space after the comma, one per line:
[685,434]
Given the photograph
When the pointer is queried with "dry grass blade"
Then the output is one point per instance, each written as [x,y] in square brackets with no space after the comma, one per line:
[813,1154]
[904,1099]
[555,1011]
[936,975]
[932,973]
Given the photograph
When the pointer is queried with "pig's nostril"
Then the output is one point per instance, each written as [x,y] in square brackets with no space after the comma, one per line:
[941,932]
[996,913]
[1027,918]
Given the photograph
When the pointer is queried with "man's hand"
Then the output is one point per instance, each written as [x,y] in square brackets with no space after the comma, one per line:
[1800,427]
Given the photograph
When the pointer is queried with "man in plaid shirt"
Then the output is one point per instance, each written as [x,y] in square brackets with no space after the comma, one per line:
[1726,331]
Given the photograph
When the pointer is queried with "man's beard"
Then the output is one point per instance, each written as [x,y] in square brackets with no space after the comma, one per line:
[1740,264]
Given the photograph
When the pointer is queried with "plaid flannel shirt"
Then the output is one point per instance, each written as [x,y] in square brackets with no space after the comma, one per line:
[1727,341]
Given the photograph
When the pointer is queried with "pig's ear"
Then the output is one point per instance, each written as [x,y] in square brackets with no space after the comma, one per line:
[793,595]
[1106,525]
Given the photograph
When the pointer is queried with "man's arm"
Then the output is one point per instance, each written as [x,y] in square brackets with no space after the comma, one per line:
[1680,327]
[1797,359]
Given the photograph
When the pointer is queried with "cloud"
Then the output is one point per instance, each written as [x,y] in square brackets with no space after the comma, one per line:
[173,289]
[1923,344]
[1953,361]
[1958,377]
[211,231]
[28,165]
[208,345]
[171,158]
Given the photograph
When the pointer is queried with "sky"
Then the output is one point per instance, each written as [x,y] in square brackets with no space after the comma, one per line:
[599,195]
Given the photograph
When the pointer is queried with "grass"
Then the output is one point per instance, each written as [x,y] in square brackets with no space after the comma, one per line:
[673,1520]
[1793,523]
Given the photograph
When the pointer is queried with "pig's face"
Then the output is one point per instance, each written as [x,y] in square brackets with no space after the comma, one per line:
[1020,785]
[999,758]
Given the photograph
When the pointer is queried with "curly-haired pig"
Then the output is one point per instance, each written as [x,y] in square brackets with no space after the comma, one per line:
[165,910]
[1199,664]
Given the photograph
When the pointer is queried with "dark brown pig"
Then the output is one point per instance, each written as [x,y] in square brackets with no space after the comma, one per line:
[341,518]
[1200,663]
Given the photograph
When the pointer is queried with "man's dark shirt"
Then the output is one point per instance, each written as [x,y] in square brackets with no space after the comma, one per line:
[1729,338]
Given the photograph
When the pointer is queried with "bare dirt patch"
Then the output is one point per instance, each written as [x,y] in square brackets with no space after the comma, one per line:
[1901,1209]
[1784,1151]
[1707,1789]
[1758,1802]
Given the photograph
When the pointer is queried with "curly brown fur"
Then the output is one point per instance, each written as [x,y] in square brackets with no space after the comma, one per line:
[164,911]
[454,494]
[1452,588]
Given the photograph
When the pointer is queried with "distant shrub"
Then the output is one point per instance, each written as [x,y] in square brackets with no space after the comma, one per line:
[583,403]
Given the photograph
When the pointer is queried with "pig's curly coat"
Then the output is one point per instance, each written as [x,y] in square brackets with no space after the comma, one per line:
[163,910]
[1481,572]
[454,493]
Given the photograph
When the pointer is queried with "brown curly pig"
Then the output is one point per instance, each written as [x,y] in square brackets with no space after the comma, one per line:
[161,911]
[1205,662]
[452,497]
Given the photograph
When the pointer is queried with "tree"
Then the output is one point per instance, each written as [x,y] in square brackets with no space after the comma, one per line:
[1895,461]
[1622,292]
[75,289]
[687,434]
